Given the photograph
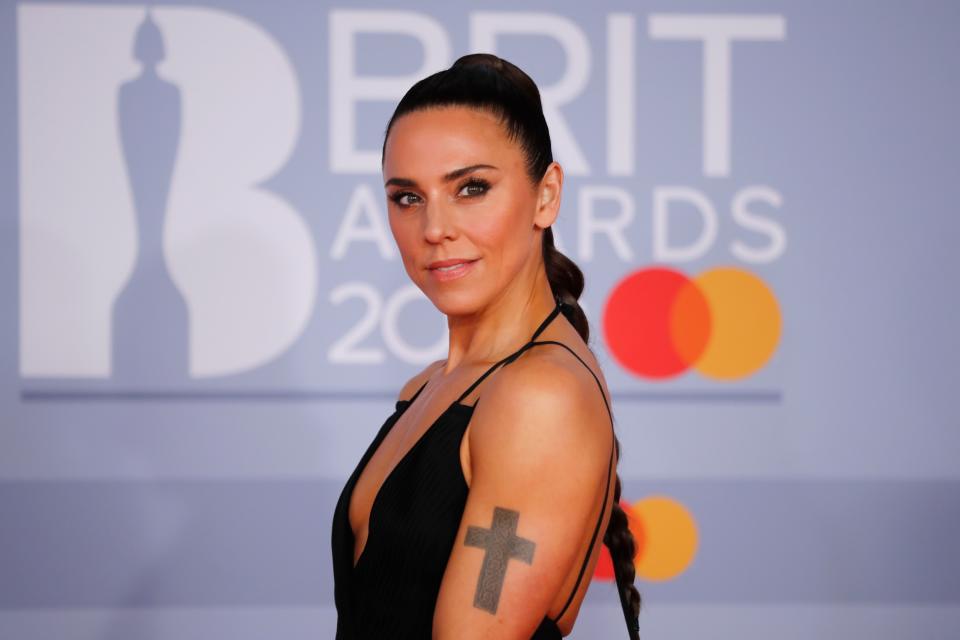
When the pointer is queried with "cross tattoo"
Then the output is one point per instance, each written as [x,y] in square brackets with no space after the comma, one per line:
[501,544]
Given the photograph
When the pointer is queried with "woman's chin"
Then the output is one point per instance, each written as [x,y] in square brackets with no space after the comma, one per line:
[455,303]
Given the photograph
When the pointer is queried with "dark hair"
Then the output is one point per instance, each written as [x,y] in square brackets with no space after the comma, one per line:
[486,82]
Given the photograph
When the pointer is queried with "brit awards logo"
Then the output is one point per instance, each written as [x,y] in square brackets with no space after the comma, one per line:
[152,253]
[157,248]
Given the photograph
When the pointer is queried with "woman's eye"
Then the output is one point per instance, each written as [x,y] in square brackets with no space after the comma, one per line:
[404,198]
[474,188]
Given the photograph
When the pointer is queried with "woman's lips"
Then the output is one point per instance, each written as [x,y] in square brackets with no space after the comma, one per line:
[452,272]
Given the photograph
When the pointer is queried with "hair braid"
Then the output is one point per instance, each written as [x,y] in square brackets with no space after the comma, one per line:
[566,282]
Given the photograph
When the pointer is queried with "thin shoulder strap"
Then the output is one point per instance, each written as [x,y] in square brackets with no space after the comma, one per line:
[513,356]
[596,528]
[633,624]
[414,397]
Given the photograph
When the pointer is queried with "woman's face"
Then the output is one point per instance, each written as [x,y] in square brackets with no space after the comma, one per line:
[463,211]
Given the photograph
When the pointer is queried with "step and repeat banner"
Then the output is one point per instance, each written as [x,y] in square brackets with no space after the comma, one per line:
[205,319]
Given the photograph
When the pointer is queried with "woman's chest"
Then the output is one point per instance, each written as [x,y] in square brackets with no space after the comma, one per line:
[403,489]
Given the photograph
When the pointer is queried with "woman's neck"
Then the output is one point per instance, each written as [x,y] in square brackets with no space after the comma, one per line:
[500,328]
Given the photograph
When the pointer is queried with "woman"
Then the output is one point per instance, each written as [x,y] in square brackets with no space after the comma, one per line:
[468,519]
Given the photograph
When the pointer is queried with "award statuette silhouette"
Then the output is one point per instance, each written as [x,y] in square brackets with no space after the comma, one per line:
[150,318]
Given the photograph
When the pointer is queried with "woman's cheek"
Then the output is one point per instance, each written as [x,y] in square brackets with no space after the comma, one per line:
[490,226]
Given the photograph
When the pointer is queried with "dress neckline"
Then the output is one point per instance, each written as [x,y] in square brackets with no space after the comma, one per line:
[401,407]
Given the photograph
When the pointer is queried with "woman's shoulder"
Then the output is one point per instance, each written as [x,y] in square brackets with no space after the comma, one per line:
[410,387]
[553,372]
[546,397]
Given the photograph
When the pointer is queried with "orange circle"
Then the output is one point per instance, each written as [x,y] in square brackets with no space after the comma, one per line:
[669,535]
[745,323]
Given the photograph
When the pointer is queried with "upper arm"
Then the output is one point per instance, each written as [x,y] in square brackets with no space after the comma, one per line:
[540,446]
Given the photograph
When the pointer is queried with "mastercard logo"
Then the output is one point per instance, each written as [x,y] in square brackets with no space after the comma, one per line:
[725,323]
[666,539]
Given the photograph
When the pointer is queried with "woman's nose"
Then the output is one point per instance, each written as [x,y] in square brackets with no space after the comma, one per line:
[439,222]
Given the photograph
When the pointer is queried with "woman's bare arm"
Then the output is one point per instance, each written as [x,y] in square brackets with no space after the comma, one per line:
[540,444]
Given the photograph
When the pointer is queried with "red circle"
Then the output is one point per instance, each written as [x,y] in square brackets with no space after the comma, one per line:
[656,322]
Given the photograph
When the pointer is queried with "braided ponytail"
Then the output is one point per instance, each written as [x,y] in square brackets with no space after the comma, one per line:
[566,281]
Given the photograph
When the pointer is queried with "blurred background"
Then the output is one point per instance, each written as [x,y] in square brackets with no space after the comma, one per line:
[204,319]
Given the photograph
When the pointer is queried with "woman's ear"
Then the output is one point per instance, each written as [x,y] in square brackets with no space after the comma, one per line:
[548,196]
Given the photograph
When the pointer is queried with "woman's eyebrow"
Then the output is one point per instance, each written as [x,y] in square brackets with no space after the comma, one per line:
[458,173]
[453,175]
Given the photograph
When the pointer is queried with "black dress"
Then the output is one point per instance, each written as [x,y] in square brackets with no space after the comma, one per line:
[414,518]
